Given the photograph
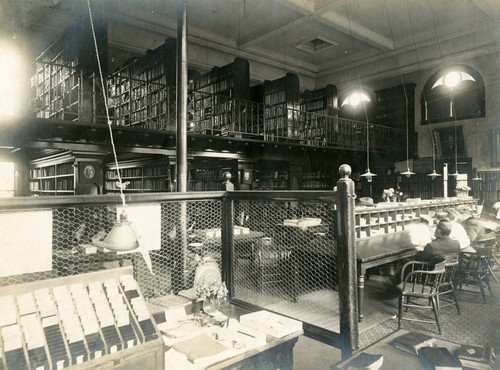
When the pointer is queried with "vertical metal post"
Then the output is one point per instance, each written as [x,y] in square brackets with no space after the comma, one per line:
[181,150]
[227,243]
[346,263]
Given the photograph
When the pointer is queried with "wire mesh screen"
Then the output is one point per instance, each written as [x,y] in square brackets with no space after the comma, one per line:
[284,259]
[190,233]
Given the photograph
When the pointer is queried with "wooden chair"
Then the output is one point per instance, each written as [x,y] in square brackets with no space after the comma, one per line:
[447,288]
[474,269]
[419,289]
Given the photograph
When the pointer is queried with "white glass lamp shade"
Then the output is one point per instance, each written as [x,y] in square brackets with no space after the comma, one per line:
[434,174]
[122,236]
[407,173]
[368,175]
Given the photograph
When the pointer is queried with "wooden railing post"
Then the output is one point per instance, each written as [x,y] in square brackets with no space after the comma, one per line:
[346,263]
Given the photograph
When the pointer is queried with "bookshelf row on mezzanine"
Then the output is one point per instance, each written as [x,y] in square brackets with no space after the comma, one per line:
[64,83]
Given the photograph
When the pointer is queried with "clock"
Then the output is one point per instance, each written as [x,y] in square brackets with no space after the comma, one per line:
[89,171]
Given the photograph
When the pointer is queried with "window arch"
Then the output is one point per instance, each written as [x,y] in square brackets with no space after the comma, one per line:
[453,93]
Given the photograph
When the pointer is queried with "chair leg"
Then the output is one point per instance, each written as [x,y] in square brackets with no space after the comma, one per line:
[400,310]
[492,273]
[455,299]
[479,283]
[436,313]
[487,280]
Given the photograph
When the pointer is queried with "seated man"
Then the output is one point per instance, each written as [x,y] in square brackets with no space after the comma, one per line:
[442,246]
[458,232]
[477,229]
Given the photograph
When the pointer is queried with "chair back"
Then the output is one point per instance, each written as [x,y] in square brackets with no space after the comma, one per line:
[450,266]
[425,282]
[478,262]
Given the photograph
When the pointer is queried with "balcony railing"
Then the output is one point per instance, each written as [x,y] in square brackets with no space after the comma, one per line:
[64,93]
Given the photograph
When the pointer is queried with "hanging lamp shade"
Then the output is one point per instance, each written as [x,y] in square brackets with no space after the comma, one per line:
[122,236]
[434,174]
[477,178]
[455,174]
[407,173]
[368,175]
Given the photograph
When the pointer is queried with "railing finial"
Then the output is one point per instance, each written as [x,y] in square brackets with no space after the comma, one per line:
[345,171]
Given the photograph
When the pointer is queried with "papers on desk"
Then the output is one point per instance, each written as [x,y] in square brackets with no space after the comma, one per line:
[270,323]
[200,347]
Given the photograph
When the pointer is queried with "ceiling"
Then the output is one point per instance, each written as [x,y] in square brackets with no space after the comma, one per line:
[340,40]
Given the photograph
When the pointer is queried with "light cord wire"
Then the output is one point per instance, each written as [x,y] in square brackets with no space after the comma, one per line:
[361,92]
[120,183]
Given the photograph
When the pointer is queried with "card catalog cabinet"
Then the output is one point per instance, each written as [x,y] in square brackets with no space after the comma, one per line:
[89,321]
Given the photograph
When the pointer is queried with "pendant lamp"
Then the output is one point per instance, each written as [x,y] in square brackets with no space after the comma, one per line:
[476,178]
[368,174]
[122,236]
[407,173]
[433,174]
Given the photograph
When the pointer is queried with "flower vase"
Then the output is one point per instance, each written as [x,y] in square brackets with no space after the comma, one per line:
[211,305]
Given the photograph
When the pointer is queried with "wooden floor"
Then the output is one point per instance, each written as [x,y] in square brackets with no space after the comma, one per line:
[321,308]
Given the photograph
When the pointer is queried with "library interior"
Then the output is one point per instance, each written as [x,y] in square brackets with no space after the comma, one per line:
[265,184]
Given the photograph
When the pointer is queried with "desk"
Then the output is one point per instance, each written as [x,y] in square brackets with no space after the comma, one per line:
[277,353]
[377,251]
[395,358]
[370,252]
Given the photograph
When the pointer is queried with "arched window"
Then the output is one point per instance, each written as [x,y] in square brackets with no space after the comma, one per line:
[453,93]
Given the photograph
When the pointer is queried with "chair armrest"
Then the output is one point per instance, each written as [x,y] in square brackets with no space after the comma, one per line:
[411,266]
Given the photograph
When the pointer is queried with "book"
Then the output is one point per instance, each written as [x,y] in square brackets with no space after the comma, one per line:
[476,357]
[199,347]
[366,361]
[411,342]
[438,358]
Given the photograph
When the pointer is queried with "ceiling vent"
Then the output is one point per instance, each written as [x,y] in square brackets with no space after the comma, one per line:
[317,44]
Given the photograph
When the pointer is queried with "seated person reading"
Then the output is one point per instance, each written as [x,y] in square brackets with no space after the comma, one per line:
[458,232]
[442,246]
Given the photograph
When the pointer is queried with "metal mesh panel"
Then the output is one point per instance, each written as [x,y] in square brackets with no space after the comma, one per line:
[190,233]
[285,260]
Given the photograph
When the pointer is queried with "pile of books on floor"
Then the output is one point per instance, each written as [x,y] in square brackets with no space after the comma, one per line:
[438,357]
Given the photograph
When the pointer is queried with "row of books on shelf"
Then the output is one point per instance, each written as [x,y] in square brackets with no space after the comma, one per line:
[62,169]
[62,184]
[160,184]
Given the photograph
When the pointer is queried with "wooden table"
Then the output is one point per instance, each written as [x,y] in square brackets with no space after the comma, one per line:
[377,251]
[277,353]
[395,358]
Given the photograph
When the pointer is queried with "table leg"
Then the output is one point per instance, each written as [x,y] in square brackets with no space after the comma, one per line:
[361,292]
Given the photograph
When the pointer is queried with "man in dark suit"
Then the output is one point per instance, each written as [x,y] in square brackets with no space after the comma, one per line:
[442,246]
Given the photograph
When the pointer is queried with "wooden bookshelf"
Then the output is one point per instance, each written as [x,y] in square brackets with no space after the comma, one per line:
[143,175]
[206,174]
[66,174]
[215,95]
[322,103]
[52,176]
[281,103]
[65,84]
[143,92]
[488,189]
[272,175]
